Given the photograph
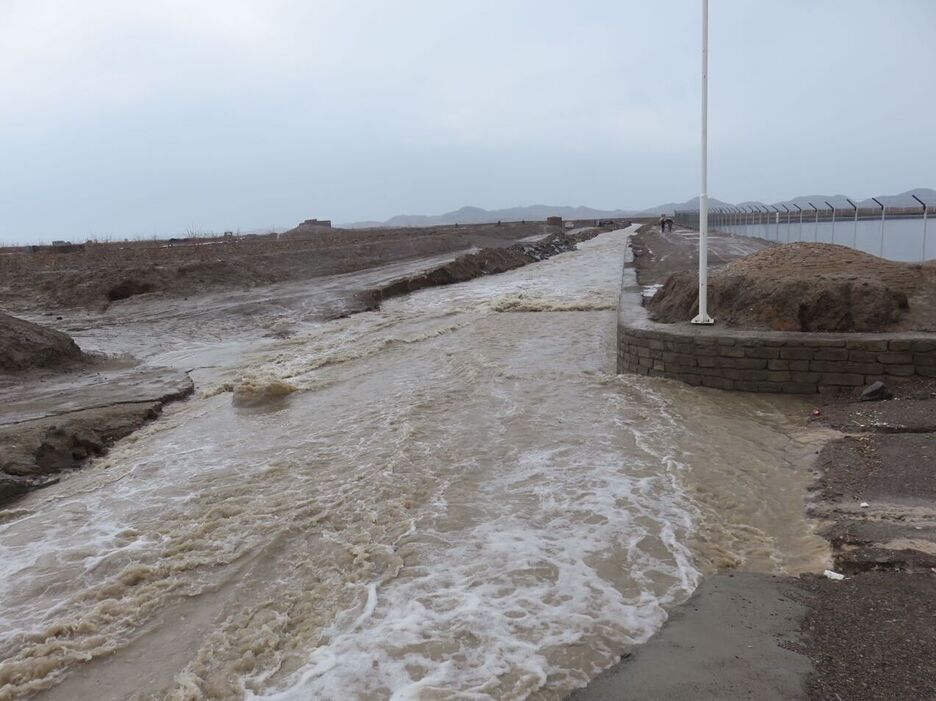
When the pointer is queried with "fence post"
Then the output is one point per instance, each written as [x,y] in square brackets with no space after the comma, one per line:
[833,221]
[923,204]
[855,233]
[883,213]
[815,234]
[777,221]
[799,236]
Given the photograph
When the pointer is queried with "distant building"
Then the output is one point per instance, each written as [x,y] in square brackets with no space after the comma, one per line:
[308,229]
[554,221]
[66,247]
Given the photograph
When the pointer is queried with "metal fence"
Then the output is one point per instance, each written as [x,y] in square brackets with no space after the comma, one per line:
[897,233]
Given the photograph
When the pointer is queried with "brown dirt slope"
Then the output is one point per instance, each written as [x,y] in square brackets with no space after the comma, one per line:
[24,345]
[808,287]
[32,451]
[76,420]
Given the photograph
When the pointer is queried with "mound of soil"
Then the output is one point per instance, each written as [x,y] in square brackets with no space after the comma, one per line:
[808,287]
[24,345]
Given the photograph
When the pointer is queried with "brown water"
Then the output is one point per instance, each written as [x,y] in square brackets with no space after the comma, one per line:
[456,497]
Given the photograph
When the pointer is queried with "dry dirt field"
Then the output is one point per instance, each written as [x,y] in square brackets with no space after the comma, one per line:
[106,272]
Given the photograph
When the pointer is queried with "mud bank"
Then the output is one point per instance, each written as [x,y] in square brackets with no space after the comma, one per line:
[54,422]
[485,262]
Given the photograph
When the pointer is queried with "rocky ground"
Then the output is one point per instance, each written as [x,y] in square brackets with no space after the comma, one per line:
[869,635]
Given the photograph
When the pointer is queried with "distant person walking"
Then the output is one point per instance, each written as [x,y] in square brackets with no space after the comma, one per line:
[662,223]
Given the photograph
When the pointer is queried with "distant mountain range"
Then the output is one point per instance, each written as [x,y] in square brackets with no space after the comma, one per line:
[538,212]
[476,215]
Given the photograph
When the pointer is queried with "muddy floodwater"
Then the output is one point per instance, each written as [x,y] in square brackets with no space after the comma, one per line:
[454,497]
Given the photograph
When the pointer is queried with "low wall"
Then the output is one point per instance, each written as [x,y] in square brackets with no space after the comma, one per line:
[763,361]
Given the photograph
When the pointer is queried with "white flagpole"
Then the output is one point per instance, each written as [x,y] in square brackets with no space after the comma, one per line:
[703,317]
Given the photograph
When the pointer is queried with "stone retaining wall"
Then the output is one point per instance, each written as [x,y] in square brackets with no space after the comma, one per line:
[763,361]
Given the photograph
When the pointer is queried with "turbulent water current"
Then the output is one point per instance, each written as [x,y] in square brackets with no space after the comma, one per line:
[453,497]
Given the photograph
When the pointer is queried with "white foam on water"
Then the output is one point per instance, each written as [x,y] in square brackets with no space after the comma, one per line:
[577,552]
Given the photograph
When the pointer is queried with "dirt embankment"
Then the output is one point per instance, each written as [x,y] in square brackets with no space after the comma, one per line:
[79,415]
[103,273]
[32,452]
[60,408]
[25,346]
[808,287]
[488,261]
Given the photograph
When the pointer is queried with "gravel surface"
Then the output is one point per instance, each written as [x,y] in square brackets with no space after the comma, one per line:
[871,637]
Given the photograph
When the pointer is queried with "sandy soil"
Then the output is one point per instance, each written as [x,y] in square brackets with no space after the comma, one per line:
[103,273]
[808,287]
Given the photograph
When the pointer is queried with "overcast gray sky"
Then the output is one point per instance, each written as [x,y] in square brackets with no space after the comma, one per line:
[129,118]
